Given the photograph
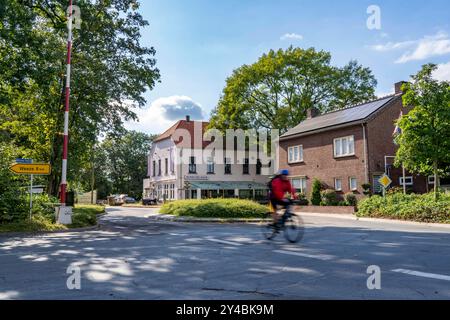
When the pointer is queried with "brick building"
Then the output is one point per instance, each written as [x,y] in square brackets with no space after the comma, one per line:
[347,148]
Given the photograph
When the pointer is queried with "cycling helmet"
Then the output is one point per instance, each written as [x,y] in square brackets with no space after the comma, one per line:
[284,172]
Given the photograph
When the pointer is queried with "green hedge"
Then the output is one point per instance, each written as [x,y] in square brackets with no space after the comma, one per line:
[215,208]
[414,207]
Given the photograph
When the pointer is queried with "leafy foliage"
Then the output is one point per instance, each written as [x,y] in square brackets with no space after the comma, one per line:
[329,198]
[350,199]
[215,208]
[316,197]
[424,144]
[277,90]
[121,161]
[110,73]
[415,207]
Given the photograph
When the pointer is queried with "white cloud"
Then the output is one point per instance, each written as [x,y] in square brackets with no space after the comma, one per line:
[390,46]
[164,112]
[443,72]
[424,48]
[291,36]
[381,94]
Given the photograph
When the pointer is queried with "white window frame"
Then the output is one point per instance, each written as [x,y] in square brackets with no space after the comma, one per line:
[431,180]
[210,164]
[299,154]
[339,142]
[400,180]
[350,183]
[303,184]
[335,184]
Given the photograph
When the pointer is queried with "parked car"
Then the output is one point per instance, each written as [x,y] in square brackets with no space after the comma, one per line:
[149,201]
[129,200]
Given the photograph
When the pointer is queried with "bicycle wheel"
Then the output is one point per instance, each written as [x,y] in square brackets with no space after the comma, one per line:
[267,228]
[294,228]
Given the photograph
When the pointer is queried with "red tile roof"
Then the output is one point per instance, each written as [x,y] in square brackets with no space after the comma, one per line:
[185,125]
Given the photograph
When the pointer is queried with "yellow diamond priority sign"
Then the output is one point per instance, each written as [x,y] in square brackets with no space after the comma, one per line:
[385,181]
[31,168]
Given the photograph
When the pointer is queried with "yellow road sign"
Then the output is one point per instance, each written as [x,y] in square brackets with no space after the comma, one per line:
[34,168]
[385,181]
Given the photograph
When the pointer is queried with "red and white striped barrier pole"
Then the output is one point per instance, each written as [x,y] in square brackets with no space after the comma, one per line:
[66,110]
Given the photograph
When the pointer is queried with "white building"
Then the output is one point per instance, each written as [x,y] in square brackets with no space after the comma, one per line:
[178,169]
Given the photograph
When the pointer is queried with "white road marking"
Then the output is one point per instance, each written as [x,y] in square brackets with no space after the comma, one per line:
[224,241]
[423,274]
[306,255]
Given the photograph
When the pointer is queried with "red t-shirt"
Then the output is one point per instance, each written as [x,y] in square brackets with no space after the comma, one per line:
[280,187]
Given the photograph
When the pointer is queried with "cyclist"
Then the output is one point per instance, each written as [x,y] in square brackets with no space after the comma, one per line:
[279,187]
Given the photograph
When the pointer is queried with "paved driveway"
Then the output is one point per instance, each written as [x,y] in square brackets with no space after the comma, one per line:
[133,256]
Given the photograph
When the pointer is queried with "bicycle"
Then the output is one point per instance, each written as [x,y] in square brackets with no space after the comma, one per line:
[289,222]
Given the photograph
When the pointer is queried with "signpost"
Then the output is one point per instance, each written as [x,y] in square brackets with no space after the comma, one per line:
[26,166]
[31,168]
[385,181]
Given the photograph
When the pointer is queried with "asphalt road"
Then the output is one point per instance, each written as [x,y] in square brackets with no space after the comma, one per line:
[133,256]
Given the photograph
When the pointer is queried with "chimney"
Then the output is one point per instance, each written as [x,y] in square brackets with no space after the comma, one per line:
[312,112]
[398,87]
[188,118]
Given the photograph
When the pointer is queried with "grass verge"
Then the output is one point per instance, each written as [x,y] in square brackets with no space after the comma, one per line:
[83,216]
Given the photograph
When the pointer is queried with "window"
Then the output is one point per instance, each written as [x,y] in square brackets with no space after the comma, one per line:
[295,154]
[210,166]
[245,167]
[166,163]
[227,166]
[154,168]
[172,192]
[192,165]
[338,184]
[159,167]
[258,167]
[430,179]
[408,181]
[299,184]
[353,183]
[344,146]
[377,187]
[166,191]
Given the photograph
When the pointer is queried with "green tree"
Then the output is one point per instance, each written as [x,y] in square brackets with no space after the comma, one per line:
[111,70]
[316,197]
[278,89]
[424,142]
[126,161]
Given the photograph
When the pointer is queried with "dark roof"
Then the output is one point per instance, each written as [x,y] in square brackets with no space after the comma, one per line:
[358,113]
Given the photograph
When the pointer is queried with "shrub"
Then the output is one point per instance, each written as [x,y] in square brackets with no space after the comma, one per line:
[329,198]
[350,199]
[301,199]
[367,189]
[316,197]
[415,207]
[216,208]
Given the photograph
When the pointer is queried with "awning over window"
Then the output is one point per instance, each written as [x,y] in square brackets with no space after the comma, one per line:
[206,185]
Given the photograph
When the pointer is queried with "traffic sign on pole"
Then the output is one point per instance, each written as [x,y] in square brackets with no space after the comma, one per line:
[20,160]
[385,181]
[34,168]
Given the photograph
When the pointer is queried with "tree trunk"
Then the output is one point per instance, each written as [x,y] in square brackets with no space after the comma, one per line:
[436,180]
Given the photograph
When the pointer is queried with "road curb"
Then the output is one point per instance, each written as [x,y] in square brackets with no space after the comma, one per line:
[173,218]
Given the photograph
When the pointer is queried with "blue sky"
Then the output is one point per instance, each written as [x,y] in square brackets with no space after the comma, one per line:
[200,42]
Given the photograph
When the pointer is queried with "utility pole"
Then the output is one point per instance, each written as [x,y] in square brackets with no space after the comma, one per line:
[66,109]
[92,175]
